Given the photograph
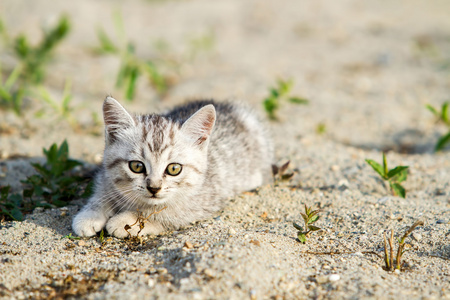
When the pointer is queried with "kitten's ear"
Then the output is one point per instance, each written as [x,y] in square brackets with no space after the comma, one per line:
[116,118]
[200,125]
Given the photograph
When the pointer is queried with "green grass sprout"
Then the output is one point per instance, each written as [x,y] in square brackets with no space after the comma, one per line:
[53,184]
[390,261]
[12,93]
[34,58]
[71,237]
[10,204]
[102,236]
[279,94]
[131,66]
[309,217]
[442,116]
[31,63]
[62,108]
[393,176]
[280,173]
[321,128]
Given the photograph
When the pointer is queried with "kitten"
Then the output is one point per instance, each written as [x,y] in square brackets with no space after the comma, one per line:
[188,160]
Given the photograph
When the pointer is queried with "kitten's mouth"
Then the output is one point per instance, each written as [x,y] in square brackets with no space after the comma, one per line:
[155,197]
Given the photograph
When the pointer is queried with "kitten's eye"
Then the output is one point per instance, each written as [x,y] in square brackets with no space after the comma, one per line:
[173,169]
[136,166]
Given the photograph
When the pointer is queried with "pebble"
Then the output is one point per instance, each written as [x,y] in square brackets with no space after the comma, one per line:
[255,242]
[188,245]
[343,184]
[335,168]
[252,294]
[397,272]
[210,273]
[81,243]
[151,282]
[231,231]
[162,271]
[321,279]
[63,211]
[417,236]
[334,277]
[440,222]
[383,200]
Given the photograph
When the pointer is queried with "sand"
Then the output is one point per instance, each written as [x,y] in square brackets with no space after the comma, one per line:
[367,68]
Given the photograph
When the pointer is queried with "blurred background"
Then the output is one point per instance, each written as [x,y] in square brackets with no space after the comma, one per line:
[362,71]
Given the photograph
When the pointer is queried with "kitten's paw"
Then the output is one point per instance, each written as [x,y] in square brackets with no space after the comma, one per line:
[88,223]
[116,225]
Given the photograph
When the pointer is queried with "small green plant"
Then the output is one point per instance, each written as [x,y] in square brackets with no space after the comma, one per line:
[70,237]
[30,69]
[321,128]
[131,66]
[394,176]
[54,184]
[280,174]
[392,262]
[34,58]
[12,93]
[279,94]
[10,205]
[62,108]
[309,217]
[101,236]
[443,117]
[201,44]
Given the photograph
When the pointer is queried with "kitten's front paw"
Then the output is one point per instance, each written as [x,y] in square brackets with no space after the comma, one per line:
[116,225]
[88,223]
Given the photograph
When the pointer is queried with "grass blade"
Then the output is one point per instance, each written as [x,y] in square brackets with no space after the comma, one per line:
[305,218]
[106,44]
[400,177]
[284,167]
[444,113]
[395,171]
[313,219]
[298,227]
[443,140]
[13,77]
[298,100]
[432,110]
[302,237]
[134,73]
[67,97]
[385,166]
[313,228]
[377,167]
[398,189]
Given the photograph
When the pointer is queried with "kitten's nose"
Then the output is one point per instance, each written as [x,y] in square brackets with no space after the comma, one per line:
[153,190]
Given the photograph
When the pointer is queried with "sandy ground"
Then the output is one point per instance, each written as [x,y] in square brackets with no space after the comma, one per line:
[367,67]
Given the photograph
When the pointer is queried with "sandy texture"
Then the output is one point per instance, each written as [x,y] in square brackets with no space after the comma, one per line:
[367,67]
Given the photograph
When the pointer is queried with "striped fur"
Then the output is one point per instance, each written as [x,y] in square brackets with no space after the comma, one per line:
[222,149]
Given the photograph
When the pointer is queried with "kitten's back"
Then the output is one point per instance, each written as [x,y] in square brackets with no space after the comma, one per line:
[240,151]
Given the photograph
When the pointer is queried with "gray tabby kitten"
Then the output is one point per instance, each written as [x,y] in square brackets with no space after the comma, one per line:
[187,160]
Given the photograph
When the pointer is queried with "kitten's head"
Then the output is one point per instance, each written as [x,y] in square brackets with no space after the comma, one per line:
[151,159]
